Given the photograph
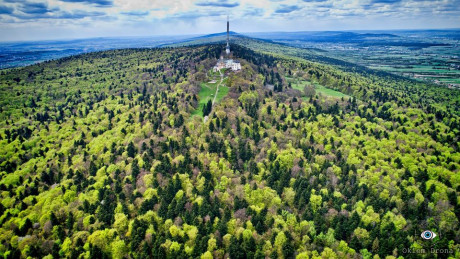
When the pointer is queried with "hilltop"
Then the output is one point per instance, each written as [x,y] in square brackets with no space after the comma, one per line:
[106,154]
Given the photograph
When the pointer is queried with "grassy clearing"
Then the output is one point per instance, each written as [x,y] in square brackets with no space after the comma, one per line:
[207,92]
[297,83]
[329,92]
[223,91]
[204,96]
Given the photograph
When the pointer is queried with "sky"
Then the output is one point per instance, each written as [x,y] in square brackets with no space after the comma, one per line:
[70,19]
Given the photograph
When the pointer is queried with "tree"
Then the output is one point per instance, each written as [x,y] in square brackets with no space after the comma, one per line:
[309,91]
[121,223]
[135,169]
[207,255]
[92,168]
[315,202]
[207,108]
[375,245]
[139,228]
[131,150]
[280,242]
[235,250]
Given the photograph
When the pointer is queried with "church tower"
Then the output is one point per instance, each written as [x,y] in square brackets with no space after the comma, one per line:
[227,49]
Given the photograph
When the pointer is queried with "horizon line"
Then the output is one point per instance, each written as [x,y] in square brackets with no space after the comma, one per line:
[205,34]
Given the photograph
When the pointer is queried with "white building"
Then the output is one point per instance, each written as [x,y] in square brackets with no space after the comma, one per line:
[234,65]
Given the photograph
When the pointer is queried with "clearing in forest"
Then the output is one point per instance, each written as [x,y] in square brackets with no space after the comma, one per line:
[213,90]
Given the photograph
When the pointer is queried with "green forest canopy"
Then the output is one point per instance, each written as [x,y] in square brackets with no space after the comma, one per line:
[101,157]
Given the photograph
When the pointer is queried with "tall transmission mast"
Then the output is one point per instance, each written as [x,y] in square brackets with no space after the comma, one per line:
[227,49]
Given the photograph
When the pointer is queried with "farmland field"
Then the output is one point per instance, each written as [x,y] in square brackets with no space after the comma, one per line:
[430,56]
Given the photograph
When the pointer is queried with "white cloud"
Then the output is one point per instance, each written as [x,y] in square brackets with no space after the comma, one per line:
[156,17]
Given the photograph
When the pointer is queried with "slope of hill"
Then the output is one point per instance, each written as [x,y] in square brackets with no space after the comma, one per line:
[17,54]
[101,156]
[422,55]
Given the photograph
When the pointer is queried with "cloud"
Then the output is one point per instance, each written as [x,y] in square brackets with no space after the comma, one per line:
[99,3]
[28,11]
[6,10]
[325,5]
[136,13]
[60,15]
[287,8]
[148,17]
[35,8]
[225,4]
[367,6]
[195,15]
[14,1]
[386,1]
[254,12]
[78,14]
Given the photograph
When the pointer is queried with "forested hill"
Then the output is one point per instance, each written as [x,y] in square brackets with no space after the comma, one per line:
[104,155]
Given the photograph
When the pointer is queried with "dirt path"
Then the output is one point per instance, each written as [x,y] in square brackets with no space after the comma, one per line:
[215,95]
[217,88]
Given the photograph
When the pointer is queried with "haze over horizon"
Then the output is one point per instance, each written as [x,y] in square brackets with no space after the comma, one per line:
[64,19]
